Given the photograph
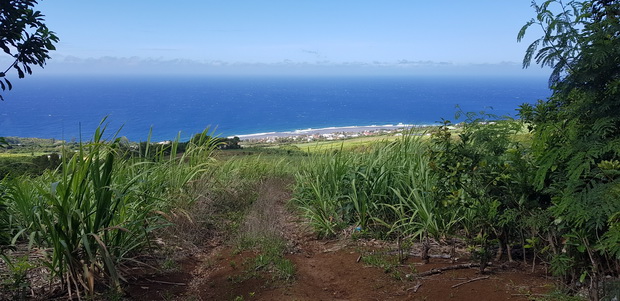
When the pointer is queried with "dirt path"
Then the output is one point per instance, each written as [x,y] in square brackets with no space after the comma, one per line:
[324,269]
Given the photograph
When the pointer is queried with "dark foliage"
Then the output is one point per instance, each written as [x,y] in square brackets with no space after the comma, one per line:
[488,172]
[24,37]
[577,135]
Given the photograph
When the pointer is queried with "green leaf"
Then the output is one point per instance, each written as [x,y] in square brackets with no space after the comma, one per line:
[583,276]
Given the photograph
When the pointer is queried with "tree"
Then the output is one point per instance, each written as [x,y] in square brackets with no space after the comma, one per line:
[24,37]
[577,133]
[485,175]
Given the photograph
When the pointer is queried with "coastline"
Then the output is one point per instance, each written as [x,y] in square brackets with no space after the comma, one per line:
[327,131]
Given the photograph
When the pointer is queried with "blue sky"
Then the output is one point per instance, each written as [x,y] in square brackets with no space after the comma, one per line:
[319,36]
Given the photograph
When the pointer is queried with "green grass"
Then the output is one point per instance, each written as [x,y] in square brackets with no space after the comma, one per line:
[346,144]
[89,214]
[18,155]
[380,260]
[381,188]
[99,210]
[269,259]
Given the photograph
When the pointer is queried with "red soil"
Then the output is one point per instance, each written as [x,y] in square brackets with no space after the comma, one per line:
[329,270]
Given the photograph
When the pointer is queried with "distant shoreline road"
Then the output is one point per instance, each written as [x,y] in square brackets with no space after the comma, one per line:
[328,130]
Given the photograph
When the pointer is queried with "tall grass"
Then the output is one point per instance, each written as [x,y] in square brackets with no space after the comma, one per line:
[387,189]
[165,174]
[5,228]
[233,183]
[99,209]
[84,216]
[320,191]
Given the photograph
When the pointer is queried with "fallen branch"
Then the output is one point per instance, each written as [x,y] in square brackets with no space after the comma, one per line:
[448,268]
[469,281]
[531,295]
[442,256]
[415,287]
[166,282]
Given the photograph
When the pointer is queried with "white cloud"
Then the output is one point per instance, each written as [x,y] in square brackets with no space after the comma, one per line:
[158,66]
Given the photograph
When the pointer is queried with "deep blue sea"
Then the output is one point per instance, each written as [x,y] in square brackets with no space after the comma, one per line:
[62,107]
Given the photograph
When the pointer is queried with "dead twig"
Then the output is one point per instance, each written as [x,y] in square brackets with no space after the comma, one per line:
[442,256]
[469,281]
[415,287]
[166,282]
[448,268]
[413,254]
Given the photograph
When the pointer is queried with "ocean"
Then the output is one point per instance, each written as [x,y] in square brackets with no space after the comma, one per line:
[71,107]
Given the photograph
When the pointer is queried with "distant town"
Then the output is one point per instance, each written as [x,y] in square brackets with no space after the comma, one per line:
[330,134]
